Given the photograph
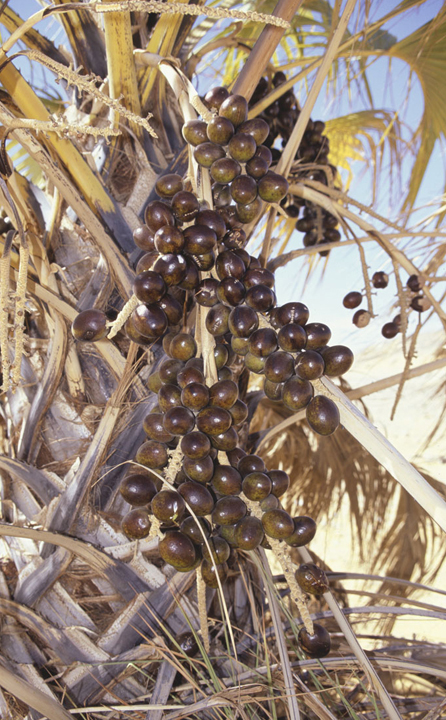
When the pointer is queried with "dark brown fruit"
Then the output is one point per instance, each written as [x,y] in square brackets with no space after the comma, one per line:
[240,346]
[197,497]
[272,187]
[338,360]
[228,510]
[263,342]
[178,550]
[188,375]
[227,480]
[271,502]
[380,279]
[196,530]
[158,214]
[185,206]
[257,167]
[264,153]
[206,261]
[244,189]
[261,298]
[231,291]
[235,456]
[212,220]
[217,320]
[280,482]
[309,365]
[277,524]
[243,321]
[149,320]
[279,367]
[242,147]
[144,238]
[152,454]
[420,303]
[195,132]
[390,330]
[168,185]
[149,287]
[225,170]
[90,326]
[254,363]
[220,130]
[295,312]
[207,153]
[187,643]
[206,293]
[257,127]
[248,213]
[223,394]
[304,531]
[311,579]
[172,268]
[214,420]
[239,412]
[168,506]
[219,550]
[256,486]
[199,470]
[228,533]
[318,335]
[323,415]
[273,391]
[195,396]
[146,262]
[414,283]
[179,421]
[172,308]
[292,337]
[209,573]
[317,645]
[154,382]
[249,464]
[183,347]
[215,96]
[225,441]
[361,318]
[136,524]
[221,355]
[249,533]
[199,239]
[154,428]
[137,489]
[195,445]
[352,300]
[235,109]
[169,239]
[229,264]
[258,276]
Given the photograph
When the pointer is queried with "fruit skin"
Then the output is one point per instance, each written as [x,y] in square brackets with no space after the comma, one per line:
[219,548]
[194,132]
[228,510]
[90,326]
[235,109]
[272,187]
[168,185]
[380,279]
[257,486]
[137,489]
[323,415]
[168,505]
[352,300]
[361,318]
[136,524]
[415,283]
[390,330]
[277,524]
[311,579]
[209,573]
[317,645]
[304,531]
[338,360]
[178,550]
[420,303]
[197,496]
[249,533]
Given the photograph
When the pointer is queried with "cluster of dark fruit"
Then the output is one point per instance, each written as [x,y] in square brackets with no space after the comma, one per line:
[317,224]
[231,147]
[380,280]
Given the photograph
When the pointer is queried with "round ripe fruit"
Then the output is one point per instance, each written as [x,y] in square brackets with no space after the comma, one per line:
[280,482]
[199,239]
[185,206]
[228,510]
[179,421]
[187,644]
[207,153]
[338,359]
[222,198]
[231,291]
[304,531]
[178,550]
[243,321]
[221,355]
[240,346]
[197,497]
[167,339]
[263,341]
[169,239]
[206,293]
[227,480]
[244,189]
[292,337]
[169,396]
[137,489]
[264,153]
[154,382]
[261,298]
[257,167]
[234,456]
[311,579]
[195,445]
[191,279]
[272,187]
[258,276]
[380,279]
[199,470]
[230,265]
[256,486]
[352,300]
[168,506]
[225,441]
[242,147]
[279,366]
[317,645]
[271,502]
[223,394]
[235,239]
[420,303]
[414,283]
[239,412]
[144,239]
[249,464]
[214,420]
[168,185]
[297,393]
[172,268]
[172,308]
[136,524]
[195,396]
[193,529]
[152,454]
[154,428]
[293,312]
[157,215]
[209,573]
[249,533]
[322,415]
[309,365]
[318,335]
[169,370]
[149,287]
[213,221]
[257,127]
[235,109]
[146,262]
[217,320]
[228,533]
[254,363]
[248,213]
[206,261]
[183,347]
[149,320]
[194,132]
[215,96]
[277,524]
[219,550]
[220,130]
[361,318]
[390,330]
[189,375]
[89,326]
[272,390]
[225,170]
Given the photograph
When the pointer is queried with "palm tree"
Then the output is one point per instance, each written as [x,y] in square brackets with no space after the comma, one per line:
[94,620]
